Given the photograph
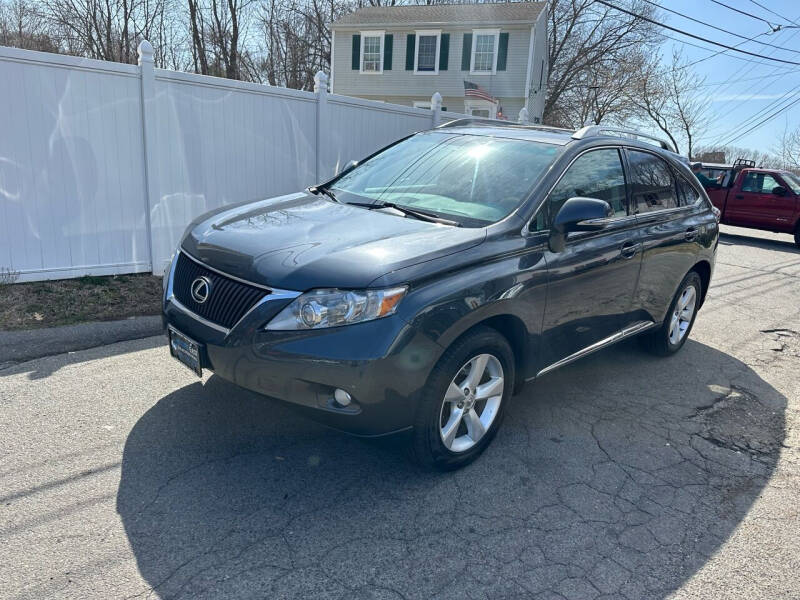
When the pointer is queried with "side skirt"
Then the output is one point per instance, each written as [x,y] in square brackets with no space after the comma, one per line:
[612,339]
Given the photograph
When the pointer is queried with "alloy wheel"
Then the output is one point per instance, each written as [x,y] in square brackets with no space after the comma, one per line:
[471,403]
[682,315]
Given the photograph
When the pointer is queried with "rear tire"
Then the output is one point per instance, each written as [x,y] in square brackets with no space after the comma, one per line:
[464,401]
[677,325]
[797,235]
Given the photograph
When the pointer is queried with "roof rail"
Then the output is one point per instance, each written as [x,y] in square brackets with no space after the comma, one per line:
[467,121]
[596,130]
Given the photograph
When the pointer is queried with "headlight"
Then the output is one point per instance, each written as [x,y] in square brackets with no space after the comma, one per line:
[330,308]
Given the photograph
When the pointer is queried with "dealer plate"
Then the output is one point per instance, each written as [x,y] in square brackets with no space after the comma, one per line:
[186,350]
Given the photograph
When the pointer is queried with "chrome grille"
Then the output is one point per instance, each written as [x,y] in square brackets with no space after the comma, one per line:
[228,299]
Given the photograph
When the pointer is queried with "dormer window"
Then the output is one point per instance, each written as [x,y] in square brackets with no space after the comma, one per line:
[427,56]
[372,51]
[484,51]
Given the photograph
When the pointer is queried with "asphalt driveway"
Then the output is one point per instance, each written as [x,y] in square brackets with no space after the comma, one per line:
[621,476]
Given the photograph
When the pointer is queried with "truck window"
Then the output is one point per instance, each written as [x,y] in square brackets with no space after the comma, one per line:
[759,183]
[652,182]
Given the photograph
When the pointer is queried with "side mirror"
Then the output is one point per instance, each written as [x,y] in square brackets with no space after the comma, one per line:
[779,190]
[578,214]
[348,167]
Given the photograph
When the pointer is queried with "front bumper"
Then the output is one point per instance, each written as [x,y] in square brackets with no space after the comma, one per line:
[382,364]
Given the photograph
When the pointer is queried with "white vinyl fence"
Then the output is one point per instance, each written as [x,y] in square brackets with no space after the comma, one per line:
[102,165]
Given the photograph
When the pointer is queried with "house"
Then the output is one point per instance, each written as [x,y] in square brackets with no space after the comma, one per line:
[486,60]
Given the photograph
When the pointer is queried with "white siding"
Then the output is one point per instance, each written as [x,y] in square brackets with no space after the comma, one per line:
[450,83]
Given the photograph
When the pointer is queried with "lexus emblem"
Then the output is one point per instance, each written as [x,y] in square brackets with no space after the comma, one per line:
[201,288]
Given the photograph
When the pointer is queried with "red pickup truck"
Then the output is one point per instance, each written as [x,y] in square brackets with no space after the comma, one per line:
[765,199]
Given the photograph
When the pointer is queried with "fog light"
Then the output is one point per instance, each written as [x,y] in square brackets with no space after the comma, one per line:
[342,398]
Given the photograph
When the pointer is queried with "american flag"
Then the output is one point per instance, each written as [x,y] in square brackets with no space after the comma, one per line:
[476,91]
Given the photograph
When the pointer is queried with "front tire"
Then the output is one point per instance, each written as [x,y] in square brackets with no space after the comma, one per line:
[464,401]
[673,333]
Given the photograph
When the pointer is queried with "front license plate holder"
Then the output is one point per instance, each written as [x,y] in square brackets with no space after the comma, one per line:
[186,350]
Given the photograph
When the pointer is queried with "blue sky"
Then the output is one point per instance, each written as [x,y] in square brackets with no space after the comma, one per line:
[739,89]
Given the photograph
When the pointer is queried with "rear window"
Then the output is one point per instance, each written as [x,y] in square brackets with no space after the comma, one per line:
[652,184]
[472,179]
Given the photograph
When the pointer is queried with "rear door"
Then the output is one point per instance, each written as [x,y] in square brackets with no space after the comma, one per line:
[591,283]
[669,216]
[753,204]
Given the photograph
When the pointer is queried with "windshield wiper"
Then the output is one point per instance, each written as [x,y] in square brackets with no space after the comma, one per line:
[412,212]
[317,189]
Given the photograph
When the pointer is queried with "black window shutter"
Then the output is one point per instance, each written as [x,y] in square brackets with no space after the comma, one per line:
[466,52]
[388,41]
[444,51]
[411,39]
[502,52]
[356,52]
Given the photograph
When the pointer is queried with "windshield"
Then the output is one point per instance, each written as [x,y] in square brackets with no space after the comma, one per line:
[471,179]
[793,181]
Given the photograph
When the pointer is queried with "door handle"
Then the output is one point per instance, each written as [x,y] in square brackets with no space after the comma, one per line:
[739,197]
[690,234]
[629,249]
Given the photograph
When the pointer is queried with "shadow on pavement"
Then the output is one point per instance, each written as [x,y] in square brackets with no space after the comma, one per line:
[40,368]
[784,245]
[618,476]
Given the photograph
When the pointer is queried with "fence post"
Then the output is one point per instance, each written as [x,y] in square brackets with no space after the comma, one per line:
[321,90]
[148,81]
[523,116]
[436,109]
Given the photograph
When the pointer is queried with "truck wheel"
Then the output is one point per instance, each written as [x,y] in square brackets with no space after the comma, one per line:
[464,401]
[673,333]
[797,235]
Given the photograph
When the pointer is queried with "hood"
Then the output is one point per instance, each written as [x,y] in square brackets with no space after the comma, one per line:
[302,241]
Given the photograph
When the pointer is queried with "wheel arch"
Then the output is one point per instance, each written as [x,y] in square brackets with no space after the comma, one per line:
[703,269]
[513,329]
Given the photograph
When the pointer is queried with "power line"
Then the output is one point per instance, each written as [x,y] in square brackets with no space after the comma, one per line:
[750,120]
[775,71]
[781,74]
[771,26]
[733,33]
[762,122]
[773,12]
[697,37]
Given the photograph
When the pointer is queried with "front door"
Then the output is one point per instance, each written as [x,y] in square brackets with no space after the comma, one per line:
[755,204]
[592,282]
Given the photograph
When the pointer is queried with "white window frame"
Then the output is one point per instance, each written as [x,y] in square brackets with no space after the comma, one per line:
[475,34]
[427,32]
[365,34]
[471,104]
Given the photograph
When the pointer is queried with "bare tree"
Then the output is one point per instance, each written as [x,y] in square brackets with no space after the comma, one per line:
[787,150]
[671,99]
[594,53]
[22,25]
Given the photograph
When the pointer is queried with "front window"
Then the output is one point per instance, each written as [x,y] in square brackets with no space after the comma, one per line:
[759,183]
[371,58]
[473,180]
[596,174]
[427,50]
[793,181]
[484,52]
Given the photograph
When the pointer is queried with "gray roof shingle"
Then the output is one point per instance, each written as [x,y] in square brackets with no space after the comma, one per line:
[507,12]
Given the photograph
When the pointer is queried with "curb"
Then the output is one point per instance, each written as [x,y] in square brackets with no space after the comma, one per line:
[18,346]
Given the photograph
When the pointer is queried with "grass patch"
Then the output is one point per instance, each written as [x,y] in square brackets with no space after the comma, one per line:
[68,301]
